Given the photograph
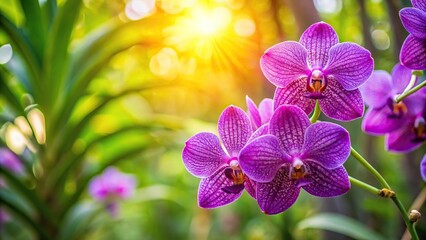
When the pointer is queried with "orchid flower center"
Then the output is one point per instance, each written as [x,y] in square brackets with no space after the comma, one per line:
[316,84]
[298,170]
[398,109]
[236,175]
[419,130]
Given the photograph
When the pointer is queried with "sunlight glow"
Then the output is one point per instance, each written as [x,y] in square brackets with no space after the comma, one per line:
[211,22]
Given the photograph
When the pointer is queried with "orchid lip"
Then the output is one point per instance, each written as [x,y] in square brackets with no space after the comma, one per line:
[398,109]
[237,177]
[316,83]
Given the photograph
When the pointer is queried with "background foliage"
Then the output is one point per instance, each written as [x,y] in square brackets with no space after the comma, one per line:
[127,82]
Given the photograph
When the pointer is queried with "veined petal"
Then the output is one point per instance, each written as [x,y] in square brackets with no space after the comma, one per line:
[350,64]
[327,182]
[421,4]
[318,39]
[266,109]
[263,130]
[414,20]
[234,129]
[278,195]
[203,155]
[413,52]
[377,89]
[327,144]
[401,77]
[401,140]
[210,193]
[294,94]
[261,158]
[250,187]
[377,121]
[341,104]
[284,62]
[288,124]
[253,113]
[423,168]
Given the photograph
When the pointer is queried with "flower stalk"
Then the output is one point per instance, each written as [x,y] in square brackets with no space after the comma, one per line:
[317,112]
[364,185]
[409,92]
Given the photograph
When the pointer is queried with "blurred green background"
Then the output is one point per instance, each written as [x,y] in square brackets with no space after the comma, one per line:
[163,70]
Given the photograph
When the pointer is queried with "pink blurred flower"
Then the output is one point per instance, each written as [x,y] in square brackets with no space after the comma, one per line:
[10,161]
[111,187]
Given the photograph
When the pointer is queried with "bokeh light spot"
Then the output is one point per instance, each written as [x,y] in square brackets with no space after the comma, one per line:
[5,53]
[244,27]
[328,6]
[138,9]
[381,39]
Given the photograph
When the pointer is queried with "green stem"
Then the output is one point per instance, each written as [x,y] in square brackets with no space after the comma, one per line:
[411,91]
[364,185]
[410,225]
[370,168]
[317,112]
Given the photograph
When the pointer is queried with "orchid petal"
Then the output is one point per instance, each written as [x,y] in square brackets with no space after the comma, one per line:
[401,77]
[250,187]
[420,4]
[263,130]
[413,52]
[423,168]
[234,129]
[377,121]
[210,193]
[350,64]
[278,195]
[401,140]
[327,182]
[253,113]
[203,155]
[294,94]
[377,89]
[261,158]
[414,20]
[327,144]
[266,109]
[341,104]
[284,62]
[289,124]
[318,39]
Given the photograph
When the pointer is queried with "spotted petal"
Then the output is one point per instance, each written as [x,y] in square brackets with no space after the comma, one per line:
[413,52]
[278,195]
[326,182]
[327,144]
[210,193]
[253,113]
[402,140]
[202,154]
[263,130]
[294,94]
[318,39]
[289,124]
[250,187]
[350,64]
[420,4]
[234,129]
[377,89]
[414,20]
[261,158]
[377,121]
[284,62]
[341,104]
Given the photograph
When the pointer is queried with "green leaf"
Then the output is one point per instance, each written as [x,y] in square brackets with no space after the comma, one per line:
[78,220]
[34,25]
[339,224]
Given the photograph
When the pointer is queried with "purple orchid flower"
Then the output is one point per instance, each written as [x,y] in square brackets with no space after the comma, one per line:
[111,187]
[318,67]
[222,180]
[413,49]
[379,92]
[10,161]
[403,122]
[423,168]
[262,115]
[295,155]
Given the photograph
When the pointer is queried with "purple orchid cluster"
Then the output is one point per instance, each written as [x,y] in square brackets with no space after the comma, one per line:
[273,151]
